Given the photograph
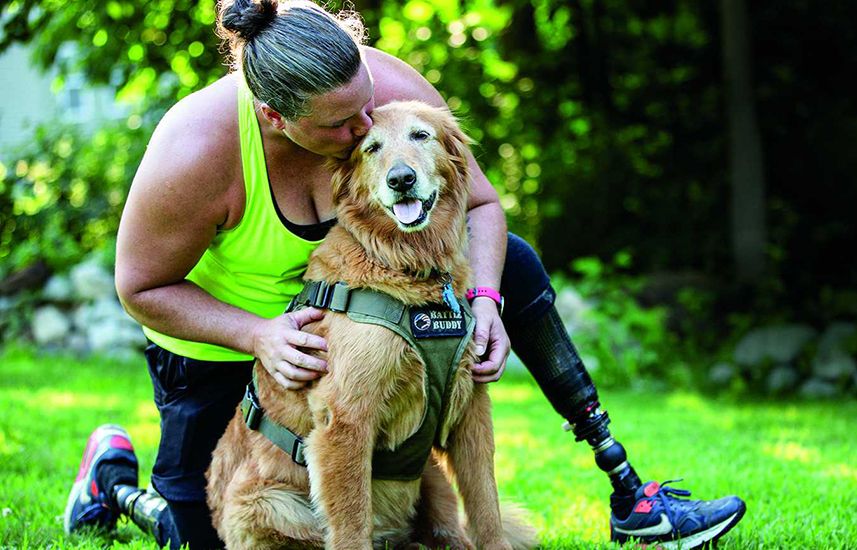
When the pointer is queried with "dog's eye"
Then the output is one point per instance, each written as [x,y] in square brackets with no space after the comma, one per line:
[372,148]
[419,135]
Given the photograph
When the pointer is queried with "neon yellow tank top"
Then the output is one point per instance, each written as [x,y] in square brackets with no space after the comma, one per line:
[258,264]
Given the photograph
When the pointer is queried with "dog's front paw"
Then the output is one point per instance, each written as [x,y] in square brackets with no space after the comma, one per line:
[497,545]
[442,539]
[453,541]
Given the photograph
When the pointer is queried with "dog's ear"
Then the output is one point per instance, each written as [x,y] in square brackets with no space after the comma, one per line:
[453,138]
[455,142]
[340,181]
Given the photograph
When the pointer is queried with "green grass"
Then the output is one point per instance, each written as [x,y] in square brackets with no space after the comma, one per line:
[794,463]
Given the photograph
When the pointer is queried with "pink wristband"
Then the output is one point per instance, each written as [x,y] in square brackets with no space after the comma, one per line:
[486,291]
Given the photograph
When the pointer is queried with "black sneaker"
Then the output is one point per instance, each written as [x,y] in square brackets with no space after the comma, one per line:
[675,523]
[89,504]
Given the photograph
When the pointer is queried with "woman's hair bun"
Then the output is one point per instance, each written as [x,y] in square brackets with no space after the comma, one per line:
[247,18]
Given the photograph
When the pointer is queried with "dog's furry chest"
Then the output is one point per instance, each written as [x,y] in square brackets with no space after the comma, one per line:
[379,369]
[371,365]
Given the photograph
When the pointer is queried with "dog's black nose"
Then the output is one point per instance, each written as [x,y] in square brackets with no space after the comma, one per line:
[401,177]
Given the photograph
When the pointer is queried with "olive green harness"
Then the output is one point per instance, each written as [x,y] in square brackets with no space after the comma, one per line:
[438,334]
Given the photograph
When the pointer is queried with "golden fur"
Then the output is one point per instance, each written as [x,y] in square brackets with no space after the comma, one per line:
[373,395]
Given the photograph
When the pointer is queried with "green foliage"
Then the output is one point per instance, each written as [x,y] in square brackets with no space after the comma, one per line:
[600,123]
[62,194]
[153,51]
[624,342]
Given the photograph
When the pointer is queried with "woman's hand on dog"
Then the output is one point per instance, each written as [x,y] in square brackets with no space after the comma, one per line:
[278,343]
[492,342]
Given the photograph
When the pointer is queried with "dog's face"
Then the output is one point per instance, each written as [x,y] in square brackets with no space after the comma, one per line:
[406,164]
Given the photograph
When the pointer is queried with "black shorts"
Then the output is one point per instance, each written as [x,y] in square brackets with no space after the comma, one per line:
[196,400]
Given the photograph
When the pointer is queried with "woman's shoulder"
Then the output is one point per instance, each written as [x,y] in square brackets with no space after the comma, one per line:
[200,132]
[395,80]
[207,115]
[193,157]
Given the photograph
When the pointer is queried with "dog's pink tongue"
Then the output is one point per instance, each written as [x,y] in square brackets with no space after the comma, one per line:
[408,211]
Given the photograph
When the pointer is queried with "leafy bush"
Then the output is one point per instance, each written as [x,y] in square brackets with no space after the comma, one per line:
[62,194]
[622,342]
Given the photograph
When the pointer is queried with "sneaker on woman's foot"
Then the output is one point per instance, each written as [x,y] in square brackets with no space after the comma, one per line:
[90,503]
[673,523]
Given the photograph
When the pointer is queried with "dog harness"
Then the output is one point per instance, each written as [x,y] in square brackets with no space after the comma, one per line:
[438,334]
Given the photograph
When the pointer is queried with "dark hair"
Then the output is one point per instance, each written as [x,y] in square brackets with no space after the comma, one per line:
[292,51]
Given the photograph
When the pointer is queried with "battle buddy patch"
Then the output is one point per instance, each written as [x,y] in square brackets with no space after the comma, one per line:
[437,322]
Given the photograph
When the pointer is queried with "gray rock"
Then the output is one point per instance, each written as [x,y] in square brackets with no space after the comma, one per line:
[721,374]
[58,289]
[818,389]
[835,338]
[777,343]
[109,309]
[110,335]
[50,325]
[834,366]
[106,309]
[591,361]
[572,308]
[82,317]
[91,281]
[77,342]
[782,379]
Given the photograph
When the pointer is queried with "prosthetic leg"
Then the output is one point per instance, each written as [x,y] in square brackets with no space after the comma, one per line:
[148,510]
[545,348]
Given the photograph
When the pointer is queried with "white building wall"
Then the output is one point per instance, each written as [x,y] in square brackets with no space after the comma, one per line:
[26,99]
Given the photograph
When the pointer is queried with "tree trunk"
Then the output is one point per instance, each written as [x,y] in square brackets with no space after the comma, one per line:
[746,165]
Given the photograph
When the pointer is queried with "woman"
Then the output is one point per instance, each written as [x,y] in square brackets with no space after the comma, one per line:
[230,199]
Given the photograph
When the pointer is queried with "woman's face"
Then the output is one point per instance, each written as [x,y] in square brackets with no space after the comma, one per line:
[338,119]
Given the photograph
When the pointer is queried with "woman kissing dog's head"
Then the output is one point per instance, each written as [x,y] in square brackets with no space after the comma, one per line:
[406,183]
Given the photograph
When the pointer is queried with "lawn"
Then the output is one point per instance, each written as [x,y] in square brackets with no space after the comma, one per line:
[793,462]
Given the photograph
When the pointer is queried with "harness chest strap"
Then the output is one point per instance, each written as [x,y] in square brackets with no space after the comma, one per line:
[441,356]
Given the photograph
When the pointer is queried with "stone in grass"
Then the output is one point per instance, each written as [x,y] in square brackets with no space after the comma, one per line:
[815,388]
[110,336]
[77,342]
[777,343]
[782,379]
[92,281]
[58,289]
[721,374]
[50,325]
[834,366]
[836,337]
[105,309]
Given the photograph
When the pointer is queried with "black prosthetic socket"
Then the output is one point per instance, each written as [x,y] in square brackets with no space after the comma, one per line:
[111,474]
[148,510]
[546,349]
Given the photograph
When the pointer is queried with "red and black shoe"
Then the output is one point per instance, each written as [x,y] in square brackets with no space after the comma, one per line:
[90,504]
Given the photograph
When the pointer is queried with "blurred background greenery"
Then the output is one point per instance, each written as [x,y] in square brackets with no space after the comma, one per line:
[685,168]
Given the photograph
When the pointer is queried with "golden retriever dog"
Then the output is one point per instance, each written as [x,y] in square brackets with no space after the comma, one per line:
[401,203]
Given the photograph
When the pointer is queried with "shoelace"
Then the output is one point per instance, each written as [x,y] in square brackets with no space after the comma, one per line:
[664,493]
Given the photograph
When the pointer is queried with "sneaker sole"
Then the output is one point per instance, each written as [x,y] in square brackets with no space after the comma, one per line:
[704,538]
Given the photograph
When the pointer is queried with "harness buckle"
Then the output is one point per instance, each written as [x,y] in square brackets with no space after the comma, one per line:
[298,452]
[339,297]
[322,295]
[252,412]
